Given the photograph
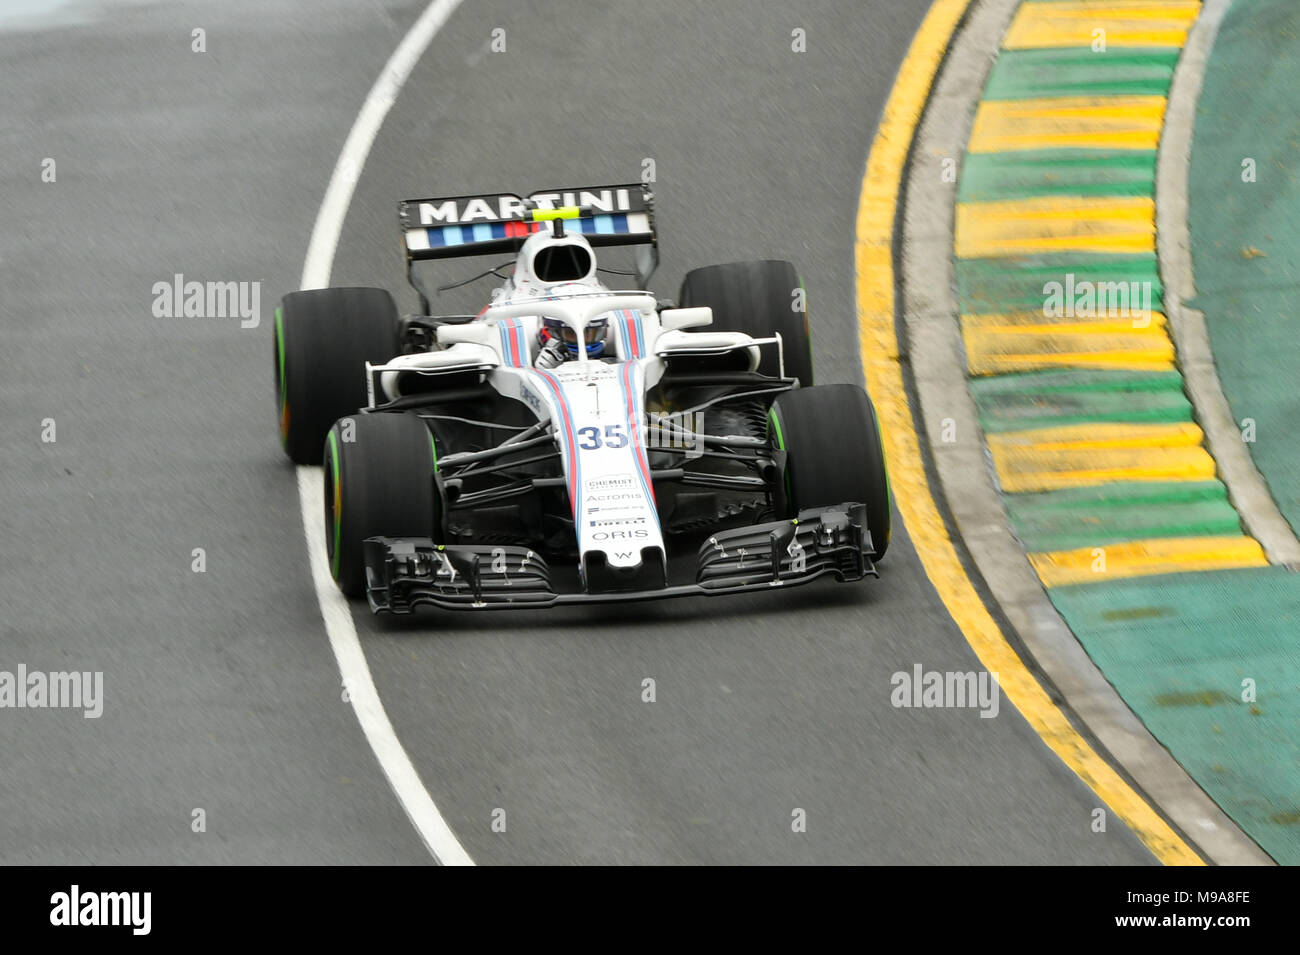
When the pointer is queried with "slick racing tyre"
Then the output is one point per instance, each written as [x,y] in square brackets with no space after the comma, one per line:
[759,299]
[833,454]
[378,483]
[323,338]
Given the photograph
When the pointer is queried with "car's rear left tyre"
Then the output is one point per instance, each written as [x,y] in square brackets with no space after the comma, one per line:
[757,298]
[833,455]
[379,482]
[323,338]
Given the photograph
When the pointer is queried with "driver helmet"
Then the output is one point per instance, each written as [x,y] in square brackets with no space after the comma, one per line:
[594,335]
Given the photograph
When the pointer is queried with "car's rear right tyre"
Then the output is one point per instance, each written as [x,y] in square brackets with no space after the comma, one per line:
[833,455]
[323,338]
[379,482]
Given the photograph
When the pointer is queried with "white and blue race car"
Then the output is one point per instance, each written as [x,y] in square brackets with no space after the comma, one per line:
[571,443]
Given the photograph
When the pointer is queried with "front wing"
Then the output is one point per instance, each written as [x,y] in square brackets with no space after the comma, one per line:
[402,573]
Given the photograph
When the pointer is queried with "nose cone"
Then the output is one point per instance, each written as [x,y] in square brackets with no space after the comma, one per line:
[648,572]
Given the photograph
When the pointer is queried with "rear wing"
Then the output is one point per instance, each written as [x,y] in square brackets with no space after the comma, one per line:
[461,226]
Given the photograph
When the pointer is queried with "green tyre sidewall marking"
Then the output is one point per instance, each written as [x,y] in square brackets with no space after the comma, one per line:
[284,390]
[775,423]
[780,438]
[338,510]
[780,443]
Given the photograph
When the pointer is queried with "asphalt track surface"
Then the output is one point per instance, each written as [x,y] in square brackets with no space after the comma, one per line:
[220,689]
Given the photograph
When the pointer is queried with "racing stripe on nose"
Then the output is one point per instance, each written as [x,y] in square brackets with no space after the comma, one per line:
[575,462]
[628,380]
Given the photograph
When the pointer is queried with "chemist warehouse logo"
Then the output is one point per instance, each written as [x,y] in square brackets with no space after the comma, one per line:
[76,908]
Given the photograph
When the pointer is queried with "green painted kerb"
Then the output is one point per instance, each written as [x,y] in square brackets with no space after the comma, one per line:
[1033,74]
[1015,283]
[1031,174]
[1209,661]
[1050,399]
[1113,513]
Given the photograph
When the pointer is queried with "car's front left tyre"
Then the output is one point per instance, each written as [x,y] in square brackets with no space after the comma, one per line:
[760,299]
[833,455]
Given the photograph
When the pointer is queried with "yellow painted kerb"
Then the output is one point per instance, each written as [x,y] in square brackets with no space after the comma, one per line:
[1094,122]
[1116,225]
[1162,555]
[1085,455]
[875,286]
[1089,23]
[1026,341]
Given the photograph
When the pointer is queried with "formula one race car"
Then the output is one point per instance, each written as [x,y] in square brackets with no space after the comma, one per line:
[570,443]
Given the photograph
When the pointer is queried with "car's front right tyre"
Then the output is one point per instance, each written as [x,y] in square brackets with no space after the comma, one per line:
[323,338]
[379,482]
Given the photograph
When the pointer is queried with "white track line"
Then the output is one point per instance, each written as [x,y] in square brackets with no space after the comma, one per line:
[334,608]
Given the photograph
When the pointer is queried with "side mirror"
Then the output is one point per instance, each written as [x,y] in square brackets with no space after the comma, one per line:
[672,319]
[478,333]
